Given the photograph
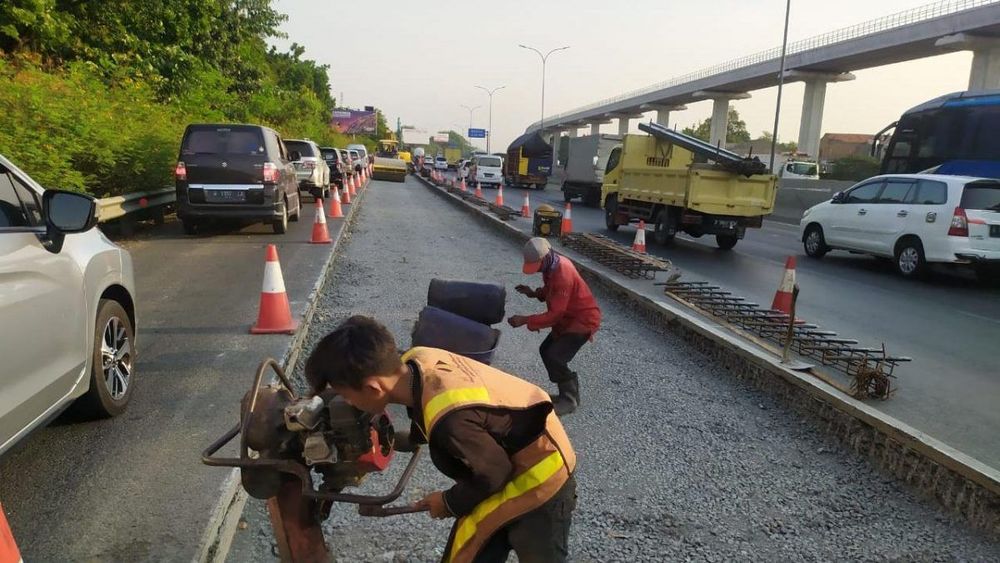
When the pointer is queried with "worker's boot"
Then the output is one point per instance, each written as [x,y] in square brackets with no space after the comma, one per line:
[568,398]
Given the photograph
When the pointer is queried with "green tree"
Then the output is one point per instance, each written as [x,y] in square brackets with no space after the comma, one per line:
[735,133]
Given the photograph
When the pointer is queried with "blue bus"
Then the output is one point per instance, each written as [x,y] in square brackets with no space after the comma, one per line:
[957,134]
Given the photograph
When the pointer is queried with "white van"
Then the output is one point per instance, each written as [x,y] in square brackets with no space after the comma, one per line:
[487,170]
[913,219]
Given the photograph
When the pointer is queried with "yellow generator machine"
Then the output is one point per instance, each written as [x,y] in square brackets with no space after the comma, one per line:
[388,165]
[680,183]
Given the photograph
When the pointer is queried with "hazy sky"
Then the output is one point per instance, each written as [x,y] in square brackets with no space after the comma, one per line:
[420,61]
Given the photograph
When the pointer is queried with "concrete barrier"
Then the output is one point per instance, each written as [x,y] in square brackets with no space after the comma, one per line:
[795,196]
[956,481]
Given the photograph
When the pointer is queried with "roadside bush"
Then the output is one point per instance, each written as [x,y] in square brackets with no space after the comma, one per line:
[853,168]
[69,130]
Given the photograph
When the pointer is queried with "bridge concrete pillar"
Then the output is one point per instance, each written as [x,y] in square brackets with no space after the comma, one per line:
[812,117]
[623,123]
[595,128]
[720,113]
[556,141]
[985,71]
[720,122]
[571,133]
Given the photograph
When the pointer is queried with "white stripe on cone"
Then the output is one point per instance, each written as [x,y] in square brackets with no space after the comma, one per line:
[273,281]
[787,282]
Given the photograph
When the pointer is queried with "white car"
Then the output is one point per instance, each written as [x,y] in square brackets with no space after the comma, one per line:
[913,219]
[487,170]
[440,163]
[67,308]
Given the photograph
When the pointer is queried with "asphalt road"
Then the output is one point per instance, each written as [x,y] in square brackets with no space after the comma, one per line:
[949,324]
[133,488]
[678,460]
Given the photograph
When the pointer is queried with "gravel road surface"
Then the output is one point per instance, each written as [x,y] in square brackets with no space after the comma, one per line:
[678,460]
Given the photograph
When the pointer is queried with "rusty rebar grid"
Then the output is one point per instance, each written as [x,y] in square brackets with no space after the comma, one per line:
[615,256]
[871,370]
[503,211]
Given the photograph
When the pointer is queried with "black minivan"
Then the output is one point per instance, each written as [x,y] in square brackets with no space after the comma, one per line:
[232,171]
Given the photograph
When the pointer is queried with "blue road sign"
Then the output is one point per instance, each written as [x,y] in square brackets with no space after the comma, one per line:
[477,133]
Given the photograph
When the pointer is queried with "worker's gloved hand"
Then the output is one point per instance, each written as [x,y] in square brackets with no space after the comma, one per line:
[434,503]
[517,320]
[525,290]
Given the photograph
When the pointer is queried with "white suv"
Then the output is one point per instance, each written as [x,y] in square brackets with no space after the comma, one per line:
[913,219]
[487,170]
[67,308]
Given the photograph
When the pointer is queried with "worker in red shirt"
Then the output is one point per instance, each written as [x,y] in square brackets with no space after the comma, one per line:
[572,314]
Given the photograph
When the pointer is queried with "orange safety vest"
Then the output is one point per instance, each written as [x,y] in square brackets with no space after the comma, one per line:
[452,382]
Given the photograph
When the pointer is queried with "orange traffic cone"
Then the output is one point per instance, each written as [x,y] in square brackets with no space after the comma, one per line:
[275,316]
[8,547]
[479,190]
[567,220]
[354,183]
[526,207]
[639,245]
[336,211]
[347,192]
[783,297]
[465,188]
[364,175]
[320,234]
[499,201]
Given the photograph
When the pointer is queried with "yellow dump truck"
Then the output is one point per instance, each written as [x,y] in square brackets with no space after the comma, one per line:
[657,178]
[388,165]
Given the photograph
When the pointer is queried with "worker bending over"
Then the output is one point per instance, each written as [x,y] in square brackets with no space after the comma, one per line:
[494,434]
[572,314]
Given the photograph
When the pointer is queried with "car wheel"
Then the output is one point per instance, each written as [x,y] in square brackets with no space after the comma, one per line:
[726,242]
[294,217]
[662,228]
[814,242]
[611,212]
[111,375]
[190,226]
[280,224]
[910,261]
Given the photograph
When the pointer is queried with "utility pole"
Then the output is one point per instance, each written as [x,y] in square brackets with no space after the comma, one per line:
[471,109]
[781,83]
[489,130]
[545,57]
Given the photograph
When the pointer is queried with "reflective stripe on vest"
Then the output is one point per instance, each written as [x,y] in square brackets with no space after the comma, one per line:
[533,478]
[451,398]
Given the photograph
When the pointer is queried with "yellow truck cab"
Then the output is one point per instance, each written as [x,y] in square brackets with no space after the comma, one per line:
[654,178]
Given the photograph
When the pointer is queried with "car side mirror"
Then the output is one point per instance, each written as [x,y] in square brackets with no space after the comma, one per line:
[294,156]
[839,197]
[66,213]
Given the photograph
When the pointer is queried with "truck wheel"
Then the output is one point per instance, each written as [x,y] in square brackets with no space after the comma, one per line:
[611,212]
[662,229]
[726,242]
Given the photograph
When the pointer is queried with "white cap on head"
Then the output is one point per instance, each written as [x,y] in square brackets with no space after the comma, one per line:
[534,251]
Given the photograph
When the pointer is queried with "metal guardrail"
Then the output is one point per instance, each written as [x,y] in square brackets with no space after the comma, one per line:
[111,208]
[899,19]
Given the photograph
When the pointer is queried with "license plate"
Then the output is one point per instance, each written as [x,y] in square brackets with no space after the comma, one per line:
[728,225]
[226,196]
[488,175]
[995,231]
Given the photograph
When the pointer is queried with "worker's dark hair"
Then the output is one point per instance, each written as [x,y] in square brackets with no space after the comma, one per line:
[357,349]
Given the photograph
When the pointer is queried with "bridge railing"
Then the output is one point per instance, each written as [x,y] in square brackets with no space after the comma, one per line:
[892,21]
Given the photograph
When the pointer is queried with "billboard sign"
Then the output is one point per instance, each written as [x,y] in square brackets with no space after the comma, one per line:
[440,138]
[477,133]
[415,136]
[353,121]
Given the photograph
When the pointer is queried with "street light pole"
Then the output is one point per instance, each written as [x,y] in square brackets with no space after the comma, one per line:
[781,83]
[471,109]
[545,57]
[489,130]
